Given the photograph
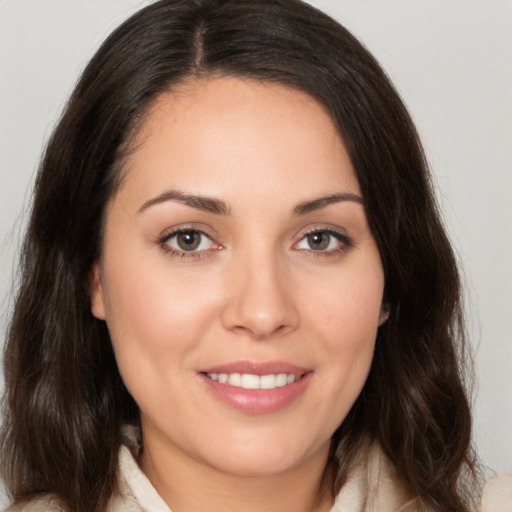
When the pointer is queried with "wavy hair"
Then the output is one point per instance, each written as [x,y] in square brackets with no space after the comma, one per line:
[65,401]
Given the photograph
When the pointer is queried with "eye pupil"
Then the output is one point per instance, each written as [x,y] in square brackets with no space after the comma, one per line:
[188,240]
[319,241]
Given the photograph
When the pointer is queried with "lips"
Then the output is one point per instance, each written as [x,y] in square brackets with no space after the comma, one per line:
[257,387]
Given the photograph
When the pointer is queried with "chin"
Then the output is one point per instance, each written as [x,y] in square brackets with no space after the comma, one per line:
[265,458]
[246,467]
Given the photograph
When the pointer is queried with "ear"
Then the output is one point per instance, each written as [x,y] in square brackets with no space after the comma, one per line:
[384,313]
[96,292]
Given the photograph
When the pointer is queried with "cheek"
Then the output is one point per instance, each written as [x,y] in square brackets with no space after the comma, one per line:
[346,320]
[154,327]
[157,319]
[348,311]
[149,306]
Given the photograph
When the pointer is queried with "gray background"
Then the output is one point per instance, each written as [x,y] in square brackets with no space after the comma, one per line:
[452,63]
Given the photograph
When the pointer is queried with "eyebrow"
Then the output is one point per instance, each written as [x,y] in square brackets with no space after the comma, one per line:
[207,204]
[316,204]
[212,205]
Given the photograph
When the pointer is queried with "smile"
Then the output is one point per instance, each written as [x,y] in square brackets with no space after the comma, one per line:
[250,381]
[257,387]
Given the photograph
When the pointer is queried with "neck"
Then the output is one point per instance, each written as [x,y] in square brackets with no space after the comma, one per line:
[188,485]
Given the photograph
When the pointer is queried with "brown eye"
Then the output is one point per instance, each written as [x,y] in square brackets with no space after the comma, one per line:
[319,241]
[324,241]
[188,240]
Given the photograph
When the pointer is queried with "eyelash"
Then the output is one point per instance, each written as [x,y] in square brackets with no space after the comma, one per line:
[345,242]
[163,242]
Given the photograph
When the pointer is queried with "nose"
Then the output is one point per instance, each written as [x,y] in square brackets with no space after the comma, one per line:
[260,302]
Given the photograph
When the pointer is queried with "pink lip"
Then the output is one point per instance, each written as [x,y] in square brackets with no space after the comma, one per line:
[258,401]
[257,368]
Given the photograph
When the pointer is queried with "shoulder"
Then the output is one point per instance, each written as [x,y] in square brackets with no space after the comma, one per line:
[497,494]
[41,503]
[373,484]
[52,503]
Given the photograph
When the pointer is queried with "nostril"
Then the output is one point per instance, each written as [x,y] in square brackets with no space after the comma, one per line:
[259,305]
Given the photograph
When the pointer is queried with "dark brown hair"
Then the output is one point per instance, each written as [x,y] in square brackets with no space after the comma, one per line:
[65,401]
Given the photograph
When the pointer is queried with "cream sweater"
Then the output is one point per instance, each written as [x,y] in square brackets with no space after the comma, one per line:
[375,479]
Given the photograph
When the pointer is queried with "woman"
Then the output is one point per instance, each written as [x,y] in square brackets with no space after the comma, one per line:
[236,292]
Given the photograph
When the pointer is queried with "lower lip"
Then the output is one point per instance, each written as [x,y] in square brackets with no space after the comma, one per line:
[258,401]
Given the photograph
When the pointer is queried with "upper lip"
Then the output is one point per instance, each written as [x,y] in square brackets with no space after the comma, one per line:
[256,368]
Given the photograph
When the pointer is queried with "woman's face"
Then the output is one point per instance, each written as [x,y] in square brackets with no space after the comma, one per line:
[240,282]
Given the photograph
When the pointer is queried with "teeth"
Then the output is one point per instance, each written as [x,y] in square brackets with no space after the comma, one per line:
[235,379]
[249,381]
[281,380]
[267,382]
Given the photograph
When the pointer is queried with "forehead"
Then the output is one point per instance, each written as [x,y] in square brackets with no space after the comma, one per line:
[206,134]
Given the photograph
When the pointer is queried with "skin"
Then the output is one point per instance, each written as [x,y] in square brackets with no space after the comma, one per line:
[254,290]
